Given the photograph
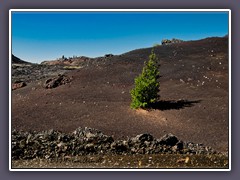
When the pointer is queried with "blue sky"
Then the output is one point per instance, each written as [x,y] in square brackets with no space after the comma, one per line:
[39,36]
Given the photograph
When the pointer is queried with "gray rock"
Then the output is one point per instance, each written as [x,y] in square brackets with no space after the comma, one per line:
[142,138]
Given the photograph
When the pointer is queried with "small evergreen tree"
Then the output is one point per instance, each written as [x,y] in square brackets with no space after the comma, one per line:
[146,84]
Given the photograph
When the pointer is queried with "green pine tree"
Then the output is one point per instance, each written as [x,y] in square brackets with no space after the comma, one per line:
[146,84]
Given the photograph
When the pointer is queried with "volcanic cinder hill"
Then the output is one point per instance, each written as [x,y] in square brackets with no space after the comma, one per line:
[16,60]
[193,88]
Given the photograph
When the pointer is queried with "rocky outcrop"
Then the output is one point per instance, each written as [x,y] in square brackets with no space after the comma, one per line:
[71,61]
[54,144]
[57,81]
[173,41]
[108,55]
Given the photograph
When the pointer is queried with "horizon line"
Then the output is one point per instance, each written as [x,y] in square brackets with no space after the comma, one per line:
[57,58]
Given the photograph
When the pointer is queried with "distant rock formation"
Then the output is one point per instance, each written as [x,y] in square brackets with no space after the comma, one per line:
[173,41]
[67,61]
[108,55]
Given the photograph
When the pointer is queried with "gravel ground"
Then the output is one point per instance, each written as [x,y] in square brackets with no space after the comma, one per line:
[128,161]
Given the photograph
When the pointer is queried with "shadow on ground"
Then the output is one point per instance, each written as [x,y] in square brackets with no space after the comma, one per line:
[169,105]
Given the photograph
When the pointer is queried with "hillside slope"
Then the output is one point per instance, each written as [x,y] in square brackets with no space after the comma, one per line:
[16,60]
[193,89]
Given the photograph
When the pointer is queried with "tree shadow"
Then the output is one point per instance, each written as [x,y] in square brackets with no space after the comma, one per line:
[172,104]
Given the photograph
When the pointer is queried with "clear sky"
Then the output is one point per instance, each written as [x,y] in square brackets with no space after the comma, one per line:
[39,36]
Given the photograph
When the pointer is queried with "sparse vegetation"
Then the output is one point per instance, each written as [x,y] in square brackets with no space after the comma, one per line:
[156,45]
[72,67]
[146,84]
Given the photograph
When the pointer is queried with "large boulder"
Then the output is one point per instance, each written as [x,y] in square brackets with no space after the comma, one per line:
[169,140]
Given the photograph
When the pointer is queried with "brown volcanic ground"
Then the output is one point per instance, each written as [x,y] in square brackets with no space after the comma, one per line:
[98,96]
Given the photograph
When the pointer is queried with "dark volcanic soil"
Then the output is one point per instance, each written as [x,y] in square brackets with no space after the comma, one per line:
[194,93]
[130,162]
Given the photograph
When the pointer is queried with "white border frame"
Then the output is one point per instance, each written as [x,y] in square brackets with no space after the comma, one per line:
[118,10]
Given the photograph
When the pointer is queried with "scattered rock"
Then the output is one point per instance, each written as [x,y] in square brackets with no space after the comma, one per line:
[183,160]
[18,84]
[57,81]
[142,138]
[54,144]
[182,81]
